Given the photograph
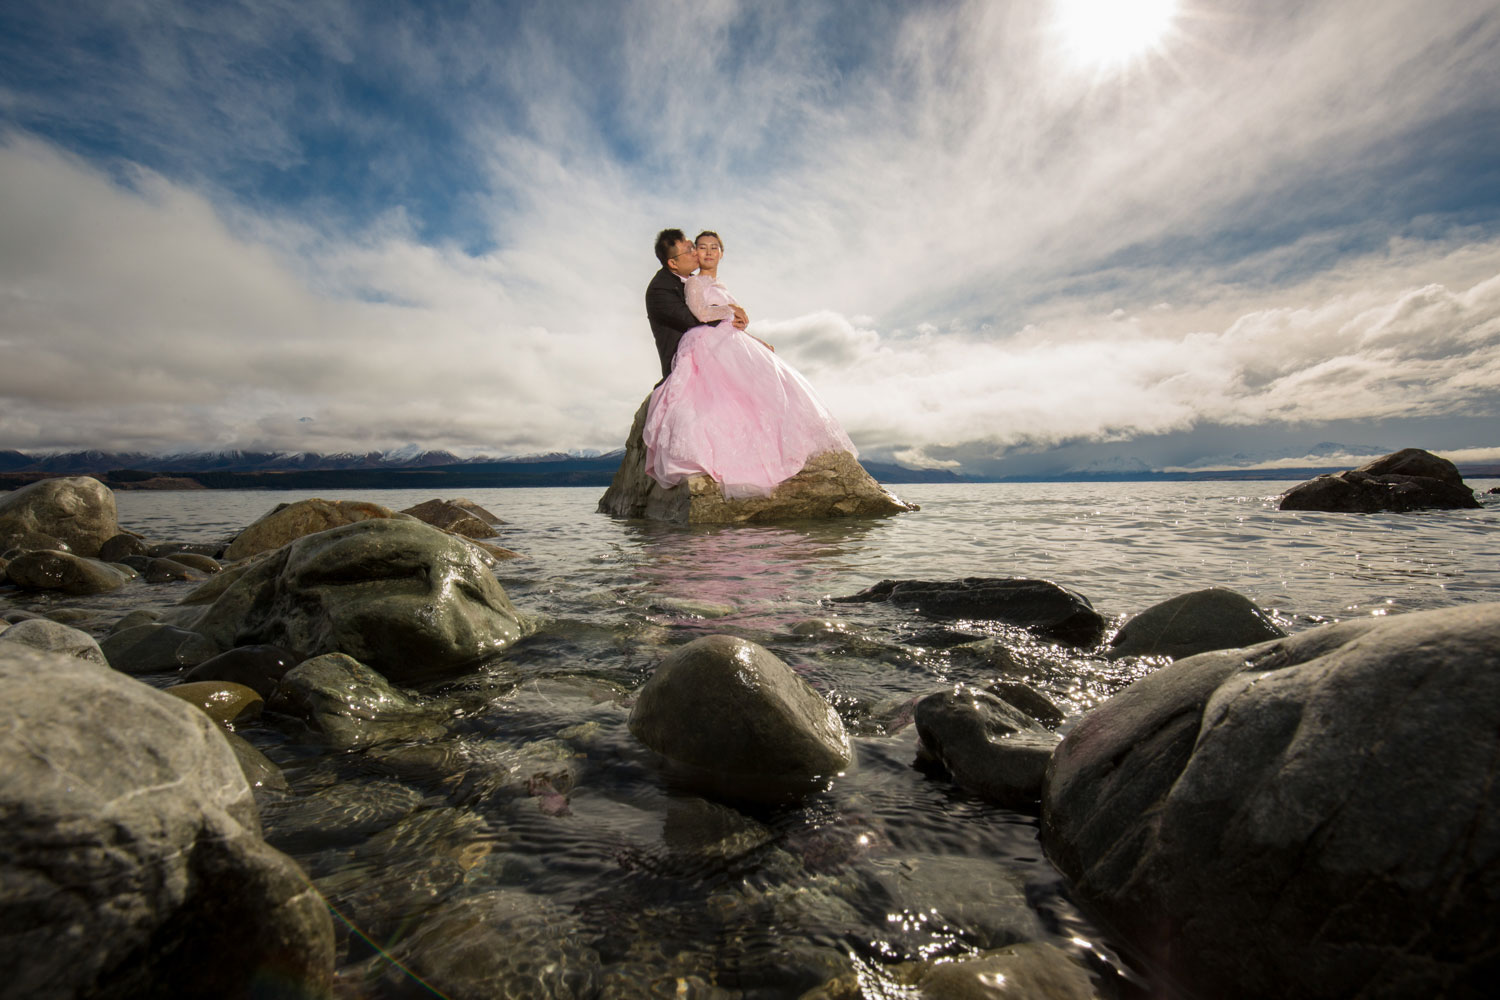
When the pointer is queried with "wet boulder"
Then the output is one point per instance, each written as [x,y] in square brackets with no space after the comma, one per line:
[116,547]
[1310,817]
[289,522]
[350,704]
[730,715]
[832,484]
[1406,480]
[156,648]
[1040,606]
[131,861]
[257,667]
[228,704]
[54,637]
[400,596]
[65,573]
[78,511]
[1198,622]
[988,745]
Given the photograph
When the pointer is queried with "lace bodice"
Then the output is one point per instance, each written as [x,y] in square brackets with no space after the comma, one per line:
[708,299]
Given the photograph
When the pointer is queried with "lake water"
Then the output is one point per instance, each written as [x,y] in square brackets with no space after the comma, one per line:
[635,887]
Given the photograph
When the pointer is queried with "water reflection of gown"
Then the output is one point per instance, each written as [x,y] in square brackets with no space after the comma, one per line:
[732,408]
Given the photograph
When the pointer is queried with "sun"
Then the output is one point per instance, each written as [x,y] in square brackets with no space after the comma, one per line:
[1110,33]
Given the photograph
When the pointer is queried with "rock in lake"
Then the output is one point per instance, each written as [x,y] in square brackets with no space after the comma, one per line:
[1194,623]
[988,745]
[156,648]
[257,667]
[226,703]
[401,596]
[79,511]
[288,522]
[349,703]
[66,573]
[117,547]
[1310,817]
[1040,606]
[729,715]
[131,861]
[1406,480]
[459,517]
[54,637]
[832,484]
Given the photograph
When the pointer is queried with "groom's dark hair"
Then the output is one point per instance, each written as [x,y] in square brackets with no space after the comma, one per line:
[666,242]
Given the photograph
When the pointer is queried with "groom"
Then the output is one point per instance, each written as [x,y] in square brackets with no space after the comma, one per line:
[666,301]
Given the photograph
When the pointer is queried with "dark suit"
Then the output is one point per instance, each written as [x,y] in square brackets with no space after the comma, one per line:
[670,317]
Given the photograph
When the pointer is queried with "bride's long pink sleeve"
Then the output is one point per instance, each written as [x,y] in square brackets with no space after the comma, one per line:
[699,290]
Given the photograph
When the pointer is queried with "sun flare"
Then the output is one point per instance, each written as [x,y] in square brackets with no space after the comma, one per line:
[1104,33]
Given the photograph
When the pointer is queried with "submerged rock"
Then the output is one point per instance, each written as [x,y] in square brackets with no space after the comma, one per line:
[79,511]
[401,596]
[131,862]
[988,745]
[1309,817]
[1040,606]
[729,714]
[65,573]
[349,703]
[1406,480]
[1199,622]
[832,484]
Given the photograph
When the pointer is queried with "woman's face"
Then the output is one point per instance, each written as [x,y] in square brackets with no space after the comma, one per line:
[709,252]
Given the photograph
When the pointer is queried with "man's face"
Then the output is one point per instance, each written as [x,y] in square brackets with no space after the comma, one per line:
[684,259]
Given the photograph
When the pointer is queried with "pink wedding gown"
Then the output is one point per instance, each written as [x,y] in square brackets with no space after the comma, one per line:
[732,409]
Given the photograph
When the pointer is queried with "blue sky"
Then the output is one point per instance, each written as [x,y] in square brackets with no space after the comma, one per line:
[994,237]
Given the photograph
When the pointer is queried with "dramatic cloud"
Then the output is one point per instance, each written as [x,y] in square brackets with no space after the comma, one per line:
[320,227]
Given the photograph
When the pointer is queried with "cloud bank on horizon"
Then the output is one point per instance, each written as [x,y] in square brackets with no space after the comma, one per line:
[321,227]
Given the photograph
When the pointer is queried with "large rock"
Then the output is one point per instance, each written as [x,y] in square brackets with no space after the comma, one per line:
[729,714]
[1198,622]
[1405,480]
[65,573]
[131,861]
[1316,816]
[156,648]
[401,596]
[289,521]
[79,511]
[988,745]
[1040,606]
[832,484]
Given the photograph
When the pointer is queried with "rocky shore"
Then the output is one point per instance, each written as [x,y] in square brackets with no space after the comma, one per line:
[341,760]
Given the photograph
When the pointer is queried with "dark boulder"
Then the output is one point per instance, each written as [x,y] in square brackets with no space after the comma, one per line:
[1406,480]
[1040,606]
[1316,816]
[1195,623]
[988,745]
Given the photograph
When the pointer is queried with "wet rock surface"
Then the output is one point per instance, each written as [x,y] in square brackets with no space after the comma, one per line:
[400,596]
[988,745]
[1406,480]
[1265,822]
[1199,622]
[348,703]
[156,647]
[832,484]
[734,715]
[66,573]
[289,522]
[1041,606]
[127,819]
[79,512]
[460,517]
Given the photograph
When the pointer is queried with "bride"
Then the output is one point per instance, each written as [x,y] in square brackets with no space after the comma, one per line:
[731,408]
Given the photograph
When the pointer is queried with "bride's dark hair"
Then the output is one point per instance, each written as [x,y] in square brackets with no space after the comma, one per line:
[709,232]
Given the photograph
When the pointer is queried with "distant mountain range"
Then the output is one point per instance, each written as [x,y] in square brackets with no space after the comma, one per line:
[414,468]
